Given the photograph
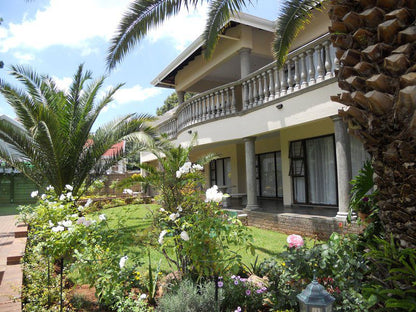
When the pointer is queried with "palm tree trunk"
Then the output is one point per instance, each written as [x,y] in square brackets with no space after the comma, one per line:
[376,49]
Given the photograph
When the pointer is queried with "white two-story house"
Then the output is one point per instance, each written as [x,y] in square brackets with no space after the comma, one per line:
[283,149]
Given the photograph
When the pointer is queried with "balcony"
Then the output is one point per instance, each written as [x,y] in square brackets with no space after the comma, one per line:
[307,67]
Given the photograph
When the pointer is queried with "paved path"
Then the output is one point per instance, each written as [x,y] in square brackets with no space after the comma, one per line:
[11,281]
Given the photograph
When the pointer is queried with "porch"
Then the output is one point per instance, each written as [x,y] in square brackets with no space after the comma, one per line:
[313,221]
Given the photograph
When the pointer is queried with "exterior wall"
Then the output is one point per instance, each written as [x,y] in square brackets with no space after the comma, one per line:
[224,151]
[226,49]
[318,26]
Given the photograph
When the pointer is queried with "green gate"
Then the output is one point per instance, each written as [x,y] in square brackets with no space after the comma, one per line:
[5,189]
[16,188]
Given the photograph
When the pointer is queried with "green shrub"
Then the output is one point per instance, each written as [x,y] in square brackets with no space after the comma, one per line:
[339,265]
[189,297]
[243,293]
[392,285]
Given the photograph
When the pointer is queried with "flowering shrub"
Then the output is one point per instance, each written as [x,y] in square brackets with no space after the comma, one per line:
[339,265]
[191,224]
[242,294]
[61,233]
[295,241]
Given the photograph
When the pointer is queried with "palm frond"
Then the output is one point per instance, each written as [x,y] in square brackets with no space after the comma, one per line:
[295,15]
[141,16]
[219,13]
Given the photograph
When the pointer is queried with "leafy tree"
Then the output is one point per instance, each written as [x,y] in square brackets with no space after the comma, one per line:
[171,102]
[55,133]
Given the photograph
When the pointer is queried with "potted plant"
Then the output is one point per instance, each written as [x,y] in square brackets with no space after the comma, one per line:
[362,200]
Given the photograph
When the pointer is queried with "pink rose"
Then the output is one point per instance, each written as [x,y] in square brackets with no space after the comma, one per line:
[295,241]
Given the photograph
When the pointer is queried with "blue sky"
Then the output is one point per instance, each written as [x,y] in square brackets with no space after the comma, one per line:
[54,36]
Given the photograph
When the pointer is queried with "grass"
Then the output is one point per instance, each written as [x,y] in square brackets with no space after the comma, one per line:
[135,220]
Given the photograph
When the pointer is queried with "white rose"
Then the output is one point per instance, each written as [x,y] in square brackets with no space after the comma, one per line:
[123,261]
[184,236]
[34,194]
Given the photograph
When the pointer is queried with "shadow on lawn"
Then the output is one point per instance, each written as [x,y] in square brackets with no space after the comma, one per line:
[267,251]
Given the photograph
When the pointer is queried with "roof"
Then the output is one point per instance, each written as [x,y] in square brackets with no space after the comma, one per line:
[167,77]
[115,150]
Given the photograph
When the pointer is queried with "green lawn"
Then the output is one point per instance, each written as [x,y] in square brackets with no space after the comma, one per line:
[135,220]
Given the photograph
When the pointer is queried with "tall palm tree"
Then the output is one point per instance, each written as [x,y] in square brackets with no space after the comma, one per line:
[375,43]
[54,144]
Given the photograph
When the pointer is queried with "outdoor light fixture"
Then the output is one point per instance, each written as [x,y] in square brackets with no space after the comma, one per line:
[279,106]
[314,298]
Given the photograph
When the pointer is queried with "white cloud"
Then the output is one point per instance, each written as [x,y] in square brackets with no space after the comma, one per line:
[75,23]
[183,28]
[63,83]
[130,95]
[68,23]
[135,94]
[24,57]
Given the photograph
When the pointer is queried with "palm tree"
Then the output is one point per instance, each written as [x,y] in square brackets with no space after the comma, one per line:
[142,15]
[54,144]
[375,47]
[376,50]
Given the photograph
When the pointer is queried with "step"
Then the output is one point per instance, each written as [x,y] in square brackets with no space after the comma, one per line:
[2,269]
[16,251]
[18,233]
[20,230]
[11,306]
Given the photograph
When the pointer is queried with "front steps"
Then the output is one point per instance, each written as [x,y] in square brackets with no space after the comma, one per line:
[12,248]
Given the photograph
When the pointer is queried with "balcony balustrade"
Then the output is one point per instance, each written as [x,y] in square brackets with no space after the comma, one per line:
[304,68]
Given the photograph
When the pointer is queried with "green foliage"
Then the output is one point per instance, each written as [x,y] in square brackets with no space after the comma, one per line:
[294,16]
[132,303]
[242,292]
[89,248]
[171,102]
[199,233]
[188,296]
[393,278]
[362,197]
[339,264]
[55,133]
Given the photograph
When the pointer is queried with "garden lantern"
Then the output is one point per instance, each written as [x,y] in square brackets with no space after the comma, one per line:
[314,298]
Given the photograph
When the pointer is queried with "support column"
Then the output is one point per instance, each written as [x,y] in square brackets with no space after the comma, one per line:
[251,173]
[343,156]
[181,96]
[245,64]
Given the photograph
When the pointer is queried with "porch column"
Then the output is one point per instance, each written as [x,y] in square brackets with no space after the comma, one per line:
[181,97]
[343,156]
[251,173]
[245,65]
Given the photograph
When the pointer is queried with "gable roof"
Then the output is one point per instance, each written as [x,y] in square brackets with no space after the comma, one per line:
[167,77]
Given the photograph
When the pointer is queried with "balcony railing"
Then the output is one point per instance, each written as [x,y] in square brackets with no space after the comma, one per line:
[305,67]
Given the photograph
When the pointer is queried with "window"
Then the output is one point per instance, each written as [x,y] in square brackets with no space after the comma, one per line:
[313,171]
[358,155]
[269,175]
[220,172]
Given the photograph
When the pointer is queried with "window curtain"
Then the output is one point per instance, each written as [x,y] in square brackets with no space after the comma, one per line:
[358,155]
[320,158]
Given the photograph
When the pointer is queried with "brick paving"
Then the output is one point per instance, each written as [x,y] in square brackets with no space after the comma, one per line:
[12,248]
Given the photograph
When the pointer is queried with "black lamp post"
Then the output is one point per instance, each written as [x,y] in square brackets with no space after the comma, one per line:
[314,298]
